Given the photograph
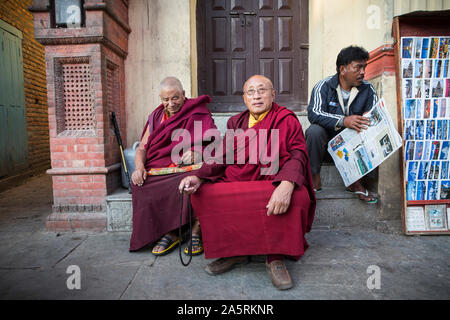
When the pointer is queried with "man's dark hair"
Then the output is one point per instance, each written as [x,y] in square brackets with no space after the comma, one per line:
[349,54]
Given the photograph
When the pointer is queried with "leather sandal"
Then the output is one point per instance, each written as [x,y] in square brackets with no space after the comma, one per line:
[197,246]
[167,243]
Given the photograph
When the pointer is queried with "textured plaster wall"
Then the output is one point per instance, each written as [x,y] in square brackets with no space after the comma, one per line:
[159,46]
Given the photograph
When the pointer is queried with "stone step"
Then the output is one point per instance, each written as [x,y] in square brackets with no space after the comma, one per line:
[335,209]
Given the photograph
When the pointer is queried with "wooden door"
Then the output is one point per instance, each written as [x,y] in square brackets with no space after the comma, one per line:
[13,132]
[239,38]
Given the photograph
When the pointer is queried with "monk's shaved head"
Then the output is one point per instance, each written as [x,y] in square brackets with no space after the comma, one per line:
[171,83]
[258,77]
[258,95]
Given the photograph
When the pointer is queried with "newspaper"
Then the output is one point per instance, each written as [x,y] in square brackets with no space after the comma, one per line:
[356,154]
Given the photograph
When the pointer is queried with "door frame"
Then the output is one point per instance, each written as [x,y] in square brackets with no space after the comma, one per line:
[198,51]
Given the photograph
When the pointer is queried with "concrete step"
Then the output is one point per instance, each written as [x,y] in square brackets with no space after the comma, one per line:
[335,208]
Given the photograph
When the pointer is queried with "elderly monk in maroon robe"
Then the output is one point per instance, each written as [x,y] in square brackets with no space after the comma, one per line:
[156,202]
[256,208]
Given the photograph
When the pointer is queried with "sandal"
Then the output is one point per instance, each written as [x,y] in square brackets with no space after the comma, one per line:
[167,243]
[197,246]
[365,194]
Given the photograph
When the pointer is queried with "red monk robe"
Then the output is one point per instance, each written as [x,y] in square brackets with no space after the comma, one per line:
[233,213]
[156,204]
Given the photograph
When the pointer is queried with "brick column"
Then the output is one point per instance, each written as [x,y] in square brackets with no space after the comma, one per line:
[85,83]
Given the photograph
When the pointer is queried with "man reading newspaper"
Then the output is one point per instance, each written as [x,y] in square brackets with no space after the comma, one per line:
[336,103]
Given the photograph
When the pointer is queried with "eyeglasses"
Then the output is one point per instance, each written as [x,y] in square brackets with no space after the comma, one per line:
[261,91]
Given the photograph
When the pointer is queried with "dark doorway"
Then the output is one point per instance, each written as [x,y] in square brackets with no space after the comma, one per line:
[237,39]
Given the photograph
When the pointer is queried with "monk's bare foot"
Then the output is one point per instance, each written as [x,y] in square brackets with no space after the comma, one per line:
[362,193]
[317,184]
[166,243]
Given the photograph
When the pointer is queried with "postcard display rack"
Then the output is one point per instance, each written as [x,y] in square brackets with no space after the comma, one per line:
[423,91]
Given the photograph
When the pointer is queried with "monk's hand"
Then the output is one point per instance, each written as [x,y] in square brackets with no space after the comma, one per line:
[281,198]
[138,177]
[190,184]
[356,122]
[190,157]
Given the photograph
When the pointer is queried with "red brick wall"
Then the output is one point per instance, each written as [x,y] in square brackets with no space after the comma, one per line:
[16,14]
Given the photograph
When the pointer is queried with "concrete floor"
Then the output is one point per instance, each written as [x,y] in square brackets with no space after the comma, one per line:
[34,263]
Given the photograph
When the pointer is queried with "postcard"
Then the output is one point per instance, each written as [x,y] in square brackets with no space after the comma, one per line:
[444,170]
[445,191]
[443,48]
[435,149]
[415,219]
[437,69]
[409,130]
[434,47]
[444,150]
[413,167]
[411,190]
[407,88]
[425,48]
[421,190]
[417,90]
[424,169]
[418,47]
[418,69]
[409,150]
[431,130]
[427,150]
[426,88]
[407,67]
[443,109]
[419,150]
[447,88]
[428,68]
[437,88]
[435,217]
[407,46]
[419,130]
[432,190]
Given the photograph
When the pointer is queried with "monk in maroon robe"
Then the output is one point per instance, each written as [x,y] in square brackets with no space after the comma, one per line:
[256,208]
[156,202]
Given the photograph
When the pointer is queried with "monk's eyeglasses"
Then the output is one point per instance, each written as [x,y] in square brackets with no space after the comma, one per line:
[261,91]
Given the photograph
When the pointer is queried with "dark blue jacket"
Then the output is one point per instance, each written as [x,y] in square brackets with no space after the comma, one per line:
[325,110]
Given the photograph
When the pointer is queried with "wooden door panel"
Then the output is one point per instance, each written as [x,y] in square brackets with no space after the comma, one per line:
[284,4]
[218,37]
[240,38]
[265,4]
[238,76]
[266,34]
[218,4]
[13,131]
[285,34]
[220,77]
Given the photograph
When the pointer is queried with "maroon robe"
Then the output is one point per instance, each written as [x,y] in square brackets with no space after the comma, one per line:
[232,213]
[156,204]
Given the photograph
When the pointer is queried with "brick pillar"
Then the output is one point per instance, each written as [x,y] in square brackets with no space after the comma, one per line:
[85,83]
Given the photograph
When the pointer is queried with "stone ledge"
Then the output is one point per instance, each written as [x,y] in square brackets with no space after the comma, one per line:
[76,221]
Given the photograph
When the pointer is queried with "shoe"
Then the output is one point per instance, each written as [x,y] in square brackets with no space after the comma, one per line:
[363,196]
[167,243]
[225,264]
[279,275]
[197,246]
